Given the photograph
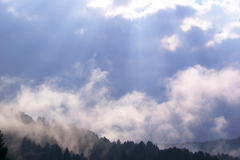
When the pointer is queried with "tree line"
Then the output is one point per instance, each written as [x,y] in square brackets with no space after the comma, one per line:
[104,150]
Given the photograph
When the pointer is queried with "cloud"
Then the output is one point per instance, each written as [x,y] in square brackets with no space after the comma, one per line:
[170,43]
[188,23]
[220,125]
[124,34]
[14,12]
[220,16]
[229,32]
[6,81]
[197,82]
[189,111]
[80,31]
[135,8]
[97,4]
[18,125]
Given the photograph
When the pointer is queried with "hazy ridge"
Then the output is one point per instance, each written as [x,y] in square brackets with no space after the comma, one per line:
[43,140]
[226,146]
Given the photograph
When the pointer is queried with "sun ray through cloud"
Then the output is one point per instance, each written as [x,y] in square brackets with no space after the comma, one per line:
[166,71]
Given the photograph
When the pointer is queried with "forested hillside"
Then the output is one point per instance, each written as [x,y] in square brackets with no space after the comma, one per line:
[225,146]
[42,140]
[106,150]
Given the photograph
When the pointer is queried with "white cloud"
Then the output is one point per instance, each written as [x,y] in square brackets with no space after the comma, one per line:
[170,43]
[227,33]
[197,83]
[188,23]
[141,8]
[99,4]
[192,97]
[217,16]
[220,126]
[136,8]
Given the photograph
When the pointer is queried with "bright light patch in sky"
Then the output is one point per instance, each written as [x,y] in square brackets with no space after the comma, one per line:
[170,43]
[99,4]
[188,23]
[80,31]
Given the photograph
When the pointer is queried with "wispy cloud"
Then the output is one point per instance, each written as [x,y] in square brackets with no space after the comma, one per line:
[14,12]
[6,1]
[80,31]
[220,126]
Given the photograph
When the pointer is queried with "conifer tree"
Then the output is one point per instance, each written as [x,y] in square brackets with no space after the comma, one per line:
[3,148]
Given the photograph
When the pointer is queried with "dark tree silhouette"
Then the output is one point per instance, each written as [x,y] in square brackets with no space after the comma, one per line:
[103,149]
[3,148]
[66,155]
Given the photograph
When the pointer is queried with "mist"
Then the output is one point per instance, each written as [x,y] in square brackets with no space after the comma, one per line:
[201,104]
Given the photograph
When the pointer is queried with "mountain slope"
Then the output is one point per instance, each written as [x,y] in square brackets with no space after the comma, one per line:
[231,147]
[42,140]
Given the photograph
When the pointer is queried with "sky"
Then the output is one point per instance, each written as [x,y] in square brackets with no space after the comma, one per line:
[165,71]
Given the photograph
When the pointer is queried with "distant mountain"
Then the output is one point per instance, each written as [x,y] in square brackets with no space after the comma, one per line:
[225,146]
[43,132]
[42,140]
[106,150]
[29,150]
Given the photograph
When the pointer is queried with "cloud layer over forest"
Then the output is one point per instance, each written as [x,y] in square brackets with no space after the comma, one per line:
[201,104]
